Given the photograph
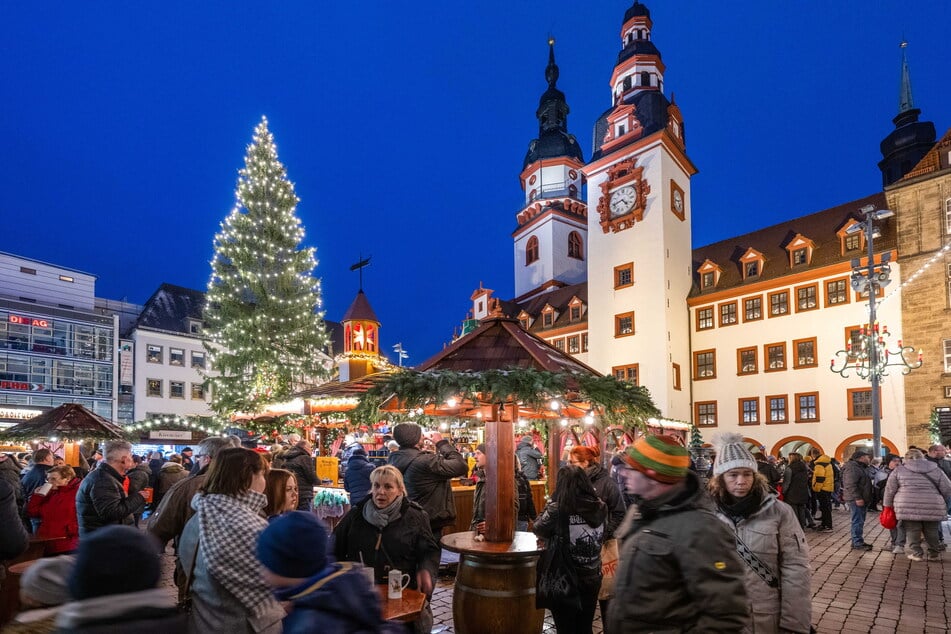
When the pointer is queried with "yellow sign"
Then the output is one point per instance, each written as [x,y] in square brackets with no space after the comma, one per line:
[327,468]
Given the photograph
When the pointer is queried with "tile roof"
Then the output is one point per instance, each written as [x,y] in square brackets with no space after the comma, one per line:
[557,299]
[360,309]
[934,160]
[820,227]
[500,343]
[170,308]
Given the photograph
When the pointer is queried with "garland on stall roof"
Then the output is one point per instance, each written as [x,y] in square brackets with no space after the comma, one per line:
[204,424]
[615,402]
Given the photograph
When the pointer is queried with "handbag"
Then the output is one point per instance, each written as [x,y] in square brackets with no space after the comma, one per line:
[887,517]
[556,582]
[185,605]
[609,563]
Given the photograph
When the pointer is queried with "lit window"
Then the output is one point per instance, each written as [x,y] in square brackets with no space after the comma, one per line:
[807,407]
[777,409]
[746,361]
[531,250]
[947,354]
[624,324]
[706,415]
[153,387]
[584,342]
[805,350]
[775,357]
[176,356]
[560,344]
[704,363]
[728,314]
[575,249]
[198,360]
[947,216]
[837,292]
[753,309]
[176,389]
[749,411]
[198,392]
[853,242]
[573,345]
[66,278]
[626,373]
[806,298]
[153,354]
[705,318]
[779,304]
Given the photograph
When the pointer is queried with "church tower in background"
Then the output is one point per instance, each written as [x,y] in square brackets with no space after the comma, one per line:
[551,235]
[911,139]
[639,243]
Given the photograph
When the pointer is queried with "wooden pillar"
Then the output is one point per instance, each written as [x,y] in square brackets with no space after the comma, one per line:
[71,454]
[500,479]
[554,453]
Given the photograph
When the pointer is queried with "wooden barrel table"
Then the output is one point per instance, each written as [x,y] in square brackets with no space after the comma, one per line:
[495,584]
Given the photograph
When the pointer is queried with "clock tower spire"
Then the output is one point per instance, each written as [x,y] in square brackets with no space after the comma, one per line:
[639,266]
[551,233]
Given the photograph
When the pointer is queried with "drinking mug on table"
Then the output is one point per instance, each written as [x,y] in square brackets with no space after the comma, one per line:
[397,582]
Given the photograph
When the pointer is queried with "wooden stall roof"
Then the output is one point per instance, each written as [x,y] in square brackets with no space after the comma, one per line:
[69,421]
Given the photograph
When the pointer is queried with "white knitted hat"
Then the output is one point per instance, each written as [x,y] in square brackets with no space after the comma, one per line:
[732,454]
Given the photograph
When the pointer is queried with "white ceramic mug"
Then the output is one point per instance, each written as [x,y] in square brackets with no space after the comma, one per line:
[397,582]
[370,574]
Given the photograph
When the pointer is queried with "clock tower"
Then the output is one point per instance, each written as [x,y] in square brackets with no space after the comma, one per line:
[639,246]
[551,235]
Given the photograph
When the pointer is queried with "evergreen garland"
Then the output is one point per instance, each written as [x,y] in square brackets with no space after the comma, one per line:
[615,402]
[265,331]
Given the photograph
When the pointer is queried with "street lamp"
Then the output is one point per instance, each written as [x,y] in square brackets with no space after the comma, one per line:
[870,358]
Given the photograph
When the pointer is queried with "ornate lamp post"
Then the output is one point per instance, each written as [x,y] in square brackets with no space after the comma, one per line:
[870,357]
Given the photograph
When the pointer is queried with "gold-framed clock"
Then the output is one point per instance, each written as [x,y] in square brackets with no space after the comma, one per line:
[678,203]
[623,196]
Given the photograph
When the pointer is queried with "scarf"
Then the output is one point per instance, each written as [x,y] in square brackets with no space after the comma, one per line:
[228,529]
[740,508]
[381,518]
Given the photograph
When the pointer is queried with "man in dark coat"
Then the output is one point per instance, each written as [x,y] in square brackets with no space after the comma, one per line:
[678,571]
[427,475]
[36,475]
[769,472]
[857,493]
[101,499]
[299,460]
[356,480]
[13,536]
[529,457]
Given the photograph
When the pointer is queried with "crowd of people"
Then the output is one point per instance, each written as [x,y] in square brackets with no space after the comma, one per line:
[724,550]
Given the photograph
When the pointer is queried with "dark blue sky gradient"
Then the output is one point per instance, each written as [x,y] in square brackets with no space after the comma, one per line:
[404,126]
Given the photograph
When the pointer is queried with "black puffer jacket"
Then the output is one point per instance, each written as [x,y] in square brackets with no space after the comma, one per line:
[302,465]
[10,471]
[609,493]
[427,477]
[529,457]
[101,501]
[678,571]
[407,544]
[796,483]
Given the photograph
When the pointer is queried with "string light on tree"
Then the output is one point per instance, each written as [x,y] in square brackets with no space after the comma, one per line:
[264,323]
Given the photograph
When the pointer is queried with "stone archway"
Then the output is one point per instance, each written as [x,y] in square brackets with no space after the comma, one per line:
[799,444]
[753,445]
[851,440]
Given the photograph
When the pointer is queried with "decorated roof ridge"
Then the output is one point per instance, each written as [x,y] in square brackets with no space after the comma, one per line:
[498,344]
[68,421]
[822,227]
[343,389]
[930,162]
[360,309]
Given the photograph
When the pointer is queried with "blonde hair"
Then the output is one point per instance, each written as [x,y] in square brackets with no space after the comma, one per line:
[388,471]
[914,454]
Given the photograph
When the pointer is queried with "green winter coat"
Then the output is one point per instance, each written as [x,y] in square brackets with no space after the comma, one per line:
[679,571]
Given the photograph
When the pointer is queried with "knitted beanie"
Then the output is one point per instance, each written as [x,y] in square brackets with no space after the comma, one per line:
[115,560]
[407,434]
[732,454]
[667,459]
[279,546]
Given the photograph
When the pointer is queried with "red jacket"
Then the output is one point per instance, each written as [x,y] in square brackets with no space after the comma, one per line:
[57,512]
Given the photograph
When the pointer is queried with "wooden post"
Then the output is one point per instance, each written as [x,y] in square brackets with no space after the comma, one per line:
[500,479]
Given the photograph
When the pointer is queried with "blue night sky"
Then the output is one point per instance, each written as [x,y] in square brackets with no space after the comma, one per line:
[404,125]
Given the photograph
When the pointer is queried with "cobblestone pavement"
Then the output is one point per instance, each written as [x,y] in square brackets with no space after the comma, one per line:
[871,592]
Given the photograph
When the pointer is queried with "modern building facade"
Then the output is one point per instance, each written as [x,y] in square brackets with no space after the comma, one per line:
[56,345]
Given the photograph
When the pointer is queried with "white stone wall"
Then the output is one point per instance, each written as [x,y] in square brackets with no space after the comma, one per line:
[144,370]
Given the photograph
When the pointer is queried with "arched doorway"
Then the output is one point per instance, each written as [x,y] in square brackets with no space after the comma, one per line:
[861,441]
[754,445]
[798,444]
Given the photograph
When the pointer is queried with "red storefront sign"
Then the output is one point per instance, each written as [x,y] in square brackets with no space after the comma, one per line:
[20,385]
[29,321]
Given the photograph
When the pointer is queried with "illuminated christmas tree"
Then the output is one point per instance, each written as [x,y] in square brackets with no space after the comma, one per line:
[265,330]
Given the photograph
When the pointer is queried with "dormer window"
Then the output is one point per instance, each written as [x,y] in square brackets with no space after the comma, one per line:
[548,317]
[853,242]
[621,130]
[709,275]
[525,320]
[800,250]
[194,326]
[850,241]
[752,263]
[574,310]
[531,250]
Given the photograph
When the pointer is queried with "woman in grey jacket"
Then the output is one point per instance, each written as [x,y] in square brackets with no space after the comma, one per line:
[769,540]
[918,490]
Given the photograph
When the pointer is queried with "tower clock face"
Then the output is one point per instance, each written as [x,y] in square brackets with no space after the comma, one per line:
[622,200]
[678,201]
